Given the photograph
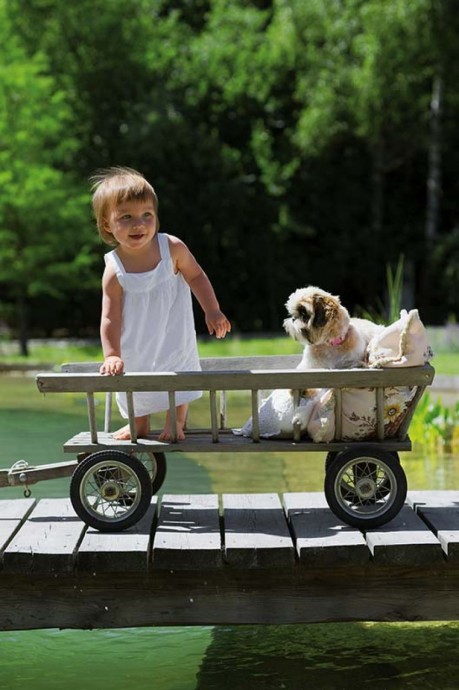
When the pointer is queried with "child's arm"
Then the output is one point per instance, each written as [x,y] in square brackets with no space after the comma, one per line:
[110,324]
[200,286]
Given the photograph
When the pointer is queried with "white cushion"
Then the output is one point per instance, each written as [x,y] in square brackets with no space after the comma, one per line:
[402,344]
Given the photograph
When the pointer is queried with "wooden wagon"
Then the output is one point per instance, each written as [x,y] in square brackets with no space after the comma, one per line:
[113,481]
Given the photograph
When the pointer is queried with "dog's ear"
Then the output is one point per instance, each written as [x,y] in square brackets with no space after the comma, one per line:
[320,311]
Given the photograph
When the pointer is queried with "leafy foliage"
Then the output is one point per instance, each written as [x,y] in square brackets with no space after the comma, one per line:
[436,425]
[287,141]
[40,204]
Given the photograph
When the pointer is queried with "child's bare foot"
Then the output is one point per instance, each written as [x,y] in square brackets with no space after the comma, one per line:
[181,412]
[142,425]
[166,434]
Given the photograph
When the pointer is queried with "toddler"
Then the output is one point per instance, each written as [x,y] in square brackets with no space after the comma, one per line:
[147,319]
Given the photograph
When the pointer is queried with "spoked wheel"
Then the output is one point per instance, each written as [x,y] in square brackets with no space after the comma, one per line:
[365,488]
[156,467]
[331,455]
[110,490]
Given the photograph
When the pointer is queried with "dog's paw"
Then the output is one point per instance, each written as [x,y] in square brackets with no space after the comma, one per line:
[301,418]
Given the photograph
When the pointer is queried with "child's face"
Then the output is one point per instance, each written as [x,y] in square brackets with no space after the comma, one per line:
[132,224]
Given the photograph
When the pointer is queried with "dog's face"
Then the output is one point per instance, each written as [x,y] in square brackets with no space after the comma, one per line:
[316,317]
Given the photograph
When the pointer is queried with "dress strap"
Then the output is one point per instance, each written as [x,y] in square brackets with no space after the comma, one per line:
[163,240]
[113,258]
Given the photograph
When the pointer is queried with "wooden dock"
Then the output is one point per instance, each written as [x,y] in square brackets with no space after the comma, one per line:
[229,559]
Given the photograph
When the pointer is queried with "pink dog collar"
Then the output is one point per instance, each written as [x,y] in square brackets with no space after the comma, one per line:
[337,341]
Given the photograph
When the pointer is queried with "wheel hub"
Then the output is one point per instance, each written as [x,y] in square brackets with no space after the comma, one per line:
[110,491]
[365,488]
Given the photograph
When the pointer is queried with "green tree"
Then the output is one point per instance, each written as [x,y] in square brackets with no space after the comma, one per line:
[287,140]
[365,81]
[44,248]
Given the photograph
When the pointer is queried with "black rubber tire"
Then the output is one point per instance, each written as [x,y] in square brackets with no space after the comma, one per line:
[332,454]
[365,488]
[161,471]
[396,457]
[330,458]
[159,468]
[110,470]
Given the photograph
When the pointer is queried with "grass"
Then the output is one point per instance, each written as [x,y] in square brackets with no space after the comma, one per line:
[233,346]
[72,351]
[446,363]
[52,353]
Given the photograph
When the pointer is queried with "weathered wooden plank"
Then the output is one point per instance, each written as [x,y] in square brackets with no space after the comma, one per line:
[236,380]
[256,534]
[48,540]
[384,589]
[250,363]
[231,596]
[444,521]
[404,540]
[81,442]
[201,442]
[299,501]
[208,364]
[433,498]
[321,539]
[7,531]
[187,535]
[16,508]
[126,551]
[12,514]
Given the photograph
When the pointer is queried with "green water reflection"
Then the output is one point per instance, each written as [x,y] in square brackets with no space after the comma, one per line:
[317,657]
[328,657]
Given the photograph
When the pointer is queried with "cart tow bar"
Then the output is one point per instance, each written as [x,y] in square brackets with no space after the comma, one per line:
[17,467]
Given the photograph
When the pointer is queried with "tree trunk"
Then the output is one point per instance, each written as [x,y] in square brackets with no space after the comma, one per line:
[376,255]
[434,169]
[23,334]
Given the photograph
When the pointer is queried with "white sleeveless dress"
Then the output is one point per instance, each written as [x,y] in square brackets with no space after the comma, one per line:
[157,331]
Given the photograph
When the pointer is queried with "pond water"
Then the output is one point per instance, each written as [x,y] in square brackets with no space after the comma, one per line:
[322,656]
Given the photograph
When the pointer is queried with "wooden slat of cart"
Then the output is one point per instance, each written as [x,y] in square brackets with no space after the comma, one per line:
[321,538]
[236,380]
[256,533]
[187,535]
[201,442]
[127,551]
[208,364]
[405,540]
[48,540]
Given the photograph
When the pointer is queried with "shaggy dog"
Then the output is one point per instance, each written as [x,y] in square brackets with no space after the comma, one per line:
[331,338]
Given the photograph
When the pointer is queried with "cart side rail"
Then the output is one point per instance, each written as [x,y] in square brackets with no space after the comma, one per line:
[233,374]
[209,364]
[259,379]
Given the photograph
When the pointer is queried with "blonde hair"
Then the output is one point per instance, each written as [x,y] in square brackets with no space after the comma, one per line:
[113,186]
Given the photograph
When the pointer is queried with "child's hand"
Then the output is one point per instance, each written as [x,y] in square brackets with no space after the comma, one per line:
[112,365]
[217,324]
